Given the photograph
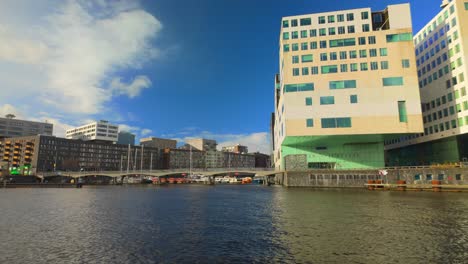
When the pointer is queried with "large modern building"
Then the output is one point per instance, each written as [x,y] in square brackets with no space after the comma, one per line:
[347,81]
[98,130]
[11,127]
[441,57]
[202,144]
[160,143]
[48,153]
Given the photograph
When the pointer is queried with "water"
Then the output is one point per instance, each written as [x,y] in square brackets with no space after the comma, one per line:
[231,224]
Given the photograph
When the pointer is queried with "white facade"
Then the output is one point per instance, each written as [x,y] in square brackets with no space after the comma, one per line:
[99,130]
[441,48]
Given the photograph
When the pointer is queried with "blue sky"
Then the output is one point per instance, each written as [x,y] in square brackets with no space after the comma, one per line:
[175,68]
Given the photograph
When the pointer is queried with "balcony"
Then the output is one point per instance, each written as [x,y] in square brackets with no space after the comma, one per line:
[16,158]
[7,142]
[28,152]
[6,158]
[15,152]
[6,152]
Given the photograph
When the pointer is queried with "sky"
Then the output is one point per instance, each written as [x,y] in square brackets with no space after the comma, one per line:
[164,68]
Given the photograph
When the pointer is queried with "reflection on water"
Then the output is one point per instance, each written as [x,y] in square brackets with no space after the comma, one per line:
[223,224]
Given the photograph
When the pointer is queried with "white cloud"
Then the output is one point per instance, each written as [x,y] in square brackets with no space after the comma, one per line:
[145,132]
[65,61]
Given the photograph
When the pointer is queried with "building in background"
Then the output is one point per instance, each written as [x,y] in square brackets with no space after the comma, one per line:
[262,160]
[98,130]
[347,82]
[235,149]
[29,155]
[201,144]
[11,127]
[160,143]
[441,57]
[182,158]
[126,138]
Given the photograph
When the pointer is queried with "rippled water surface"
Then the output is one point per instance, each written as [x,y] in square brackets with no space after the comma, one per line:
[231,224]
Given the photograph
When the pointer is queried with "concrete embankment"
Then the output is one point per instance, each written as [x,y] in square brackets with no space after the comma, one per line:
[359,178]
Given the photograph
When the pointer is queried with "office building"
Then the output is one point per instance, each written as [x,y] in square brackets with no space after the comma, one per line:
[441,49]
[347,81]
[160,143]
[235,149]
[98,130]
[201,144]
[11,127]
[126,138]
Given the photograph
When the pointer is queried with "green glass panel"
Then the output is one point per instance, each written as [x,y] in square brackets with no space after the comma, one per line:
[402,111]
[308,100]
[329,69]
[327,100]
[342,84]
[353,99]
[305,21]
[328,123]
[310,122]
[392,81]
[342,42]
[343,122]
[399,37]
[307,58]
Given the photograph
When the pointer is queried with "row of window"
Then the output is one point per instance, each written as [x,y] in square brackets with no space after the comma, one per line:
[323,19]
[439,101]
[329,69]
[329,100]
[322,32]
[432,27]
[339,122]
[343,55]
[441,114]
[441,72]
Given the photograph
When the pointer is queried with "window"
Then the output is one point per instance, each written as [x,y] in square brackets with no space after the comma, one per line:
[309,122]
[331,19]
[340,122]
[350,17]
[362,40]
[294,35]
[305,71]
[343,55]
[303,33]
[353,99]
[303,87]
[333,56]
[342,42]
[352,54]
[466,5]
[351,29]
[340,18]
[323,32]
[384,65]
[329,69]
[331,31]
[364,66]
[363,54]
[399,37]
[344,67]
[348,84]
[405,63]
[321,20]
[314,70]
[308,100]
[327,100]
[304,46]
[285,47]
[383,52]
[374,65]
[392,81]
[313,45]
[306,21]
[285,35]
[294,23]
[295,59]
[402,111]
[295,47]
[323,56]
[295,71]
[364,15]
[365,28]
[323,44]
[353,66]
[285,23]
[373,52]
[307,58]
[341,30]
[313,32]
[371,40]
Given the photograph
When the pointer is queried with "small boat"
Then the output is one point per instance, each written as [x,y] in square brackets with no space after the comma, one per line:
[246,180]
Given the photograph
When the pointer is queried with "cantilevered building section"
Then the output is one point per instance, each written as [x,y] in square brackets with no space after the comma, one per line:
[441,49]
[347,82]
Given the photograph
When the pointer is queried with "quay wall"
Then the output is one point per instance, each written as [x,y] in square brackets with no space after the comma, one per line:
[357,178]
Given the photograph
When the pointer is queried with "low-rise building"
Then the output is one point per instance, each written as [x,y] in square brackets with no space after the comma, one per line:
[235,149]
[202,144]
[182,158]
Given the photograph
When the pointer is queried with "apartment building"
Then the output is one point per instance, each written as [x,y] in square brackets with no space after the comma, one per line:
[98,130]
[11,127]
[347,82]
[441,47]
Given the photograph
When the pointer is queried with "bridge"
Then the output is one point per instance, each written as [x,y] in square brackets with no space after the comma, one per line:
[261,172]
